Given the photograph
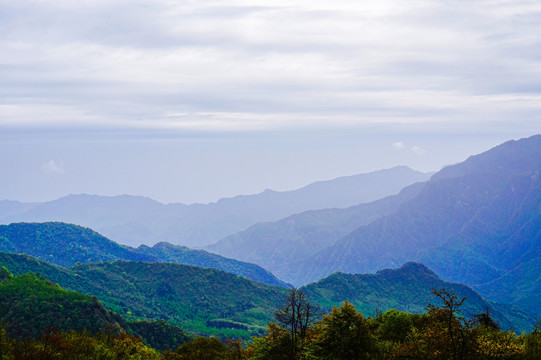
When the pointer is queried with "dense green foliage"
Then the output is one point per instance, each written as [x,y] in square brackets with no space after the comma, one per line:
[166,252]
[66,244]
[158,334]
[62,244]
[408,288]
[206,301]
[202,301]
[184,295]
[441,333]
[77,345]
[30,303]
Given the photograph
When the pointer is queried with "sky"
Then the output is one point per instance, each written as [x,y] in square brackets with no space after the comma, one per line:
[191,101]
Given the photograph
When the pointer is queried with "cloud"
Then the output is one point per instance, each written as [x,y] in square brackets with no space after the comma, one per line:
[418,150]
[398,145]
[318,63]
[51,167]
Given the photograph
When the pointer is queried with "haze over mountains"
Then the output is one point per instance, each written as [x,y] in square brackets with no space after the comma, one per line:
[134,220]
[477,223]
[274,245]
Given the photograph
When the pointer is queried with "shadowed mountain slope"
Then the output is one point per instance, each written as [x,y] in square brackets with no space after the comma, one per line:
[275,244]
[472,223]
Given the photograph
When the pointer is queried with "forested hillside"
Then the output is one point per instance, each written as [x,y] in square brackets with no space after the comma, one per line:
[199,300]
[408,289]
[208,301]
[29,304]
[66,244]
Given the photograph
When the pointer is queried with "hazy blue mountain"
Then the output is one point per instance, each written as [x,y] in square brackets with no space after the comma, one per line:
[408,288]
[66,244]
[136,220]
[12,208]
[472,223]
[275,244]
[520,286]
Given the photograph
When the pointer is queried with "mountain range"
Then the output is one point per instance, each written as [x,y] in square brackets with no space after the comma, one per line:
[134,220]
[207,301]
[274,245]
[477,223]
[67,244]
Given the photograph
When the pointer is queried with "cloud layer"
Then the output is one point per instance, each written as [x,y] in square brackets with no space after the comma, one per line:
[234,65]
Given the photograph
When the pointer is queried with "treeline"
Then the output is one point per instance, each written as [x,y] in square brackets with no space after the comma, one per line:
[441,333]
[301,332]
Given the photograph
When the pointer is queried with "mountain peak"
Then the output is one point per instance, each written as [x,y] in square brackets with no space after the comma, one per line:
[410,269]
[511,157]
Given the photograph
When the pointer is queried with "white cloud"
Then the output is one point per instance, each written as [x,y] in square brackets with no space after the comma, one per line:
[418,150]
[51,167]
[317,63]
[398,145]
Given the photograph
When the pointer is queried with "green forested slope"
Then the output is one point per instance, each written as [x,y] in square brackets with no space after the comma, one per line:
[197,299]
[29,304]
[166,252]
[67,244]
[63,244]
[207,301]
[408,288]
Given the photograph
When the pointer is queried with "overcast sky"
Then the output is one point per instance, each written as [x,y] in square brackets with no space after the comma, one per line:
[190,101]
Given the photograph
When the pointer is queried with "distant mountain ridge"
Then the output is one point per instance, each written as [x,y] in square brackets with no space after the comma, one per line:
[273,245]
[66,244]
[136,220]
[477,223]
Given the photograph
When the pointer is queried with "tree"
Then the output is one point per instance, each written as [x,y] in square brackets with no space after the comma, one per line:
[448,334]
[484,319]
[343,334]
[275,345]
[297,316]
[532,342]
[396,325]
[203,348]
